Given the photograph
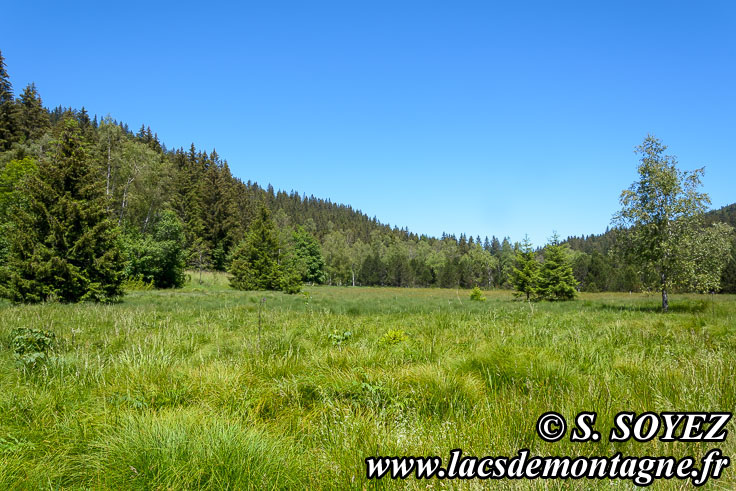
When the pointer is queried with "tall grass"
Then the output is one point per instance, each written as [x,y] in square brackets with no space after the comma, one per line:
[174,389]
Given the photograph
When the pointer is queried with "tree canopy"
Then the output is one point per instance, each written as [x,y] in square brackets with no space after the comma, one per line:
[62,243]
[556,279]
[255,262]
[526,270]
[662,225]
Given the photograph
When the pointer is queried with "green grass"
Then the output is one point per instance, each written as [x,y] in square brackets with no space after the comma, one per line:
[175,389]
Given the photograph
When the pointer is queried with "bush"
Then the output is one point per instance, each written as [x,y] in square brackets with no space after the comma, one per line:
[477,295]
[158,258]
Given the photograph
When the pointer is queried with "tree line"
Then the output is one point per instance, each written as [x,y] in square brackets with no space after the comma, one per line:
[598,268]
[171,209]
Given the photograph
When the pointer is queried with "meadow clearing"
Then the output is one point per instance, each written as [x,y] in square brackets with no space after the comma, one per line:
[176,389]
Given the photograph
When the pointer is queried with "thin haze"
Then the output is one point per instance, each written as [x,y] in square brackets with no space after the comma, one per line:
[475,117]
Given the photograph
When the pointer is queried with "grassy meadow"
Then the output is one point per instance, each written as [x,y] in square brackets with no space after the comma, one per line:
[177,389]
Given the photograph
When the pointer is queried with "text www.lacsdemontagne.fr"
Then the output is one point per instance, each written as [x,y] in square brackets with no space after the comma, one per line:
[643,471]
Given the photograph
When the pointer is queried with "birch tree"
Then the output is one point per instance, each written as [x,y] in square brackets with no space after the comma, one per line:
[662,226]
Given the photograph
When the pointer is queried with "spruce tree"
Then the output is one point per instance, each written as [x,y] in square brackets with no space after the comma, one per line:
[255,264]
[7,108]
[11,175]
[62,243]
[556,279]
[33,119]
[525,274]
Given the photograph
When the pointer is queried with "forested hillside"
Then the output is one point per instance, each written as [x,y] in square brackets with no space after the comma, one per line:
[144,182]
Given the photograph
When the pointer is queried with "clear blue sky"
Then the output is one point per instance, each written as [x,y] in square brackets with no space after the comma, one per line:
[476,117]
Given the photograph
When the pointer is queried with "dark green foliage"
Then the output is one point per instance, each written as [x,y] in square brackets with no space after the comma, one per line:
[598,275]
[308,254]
[7,108]
[608,272]
[218,210]
[62,244]
[4,245]
[727,215]
[255,262]
[373,271]
[10,176]
[556,279]
[525,274]
[398,271]
[32,119]
[260,262]
[728,276]
[158,258]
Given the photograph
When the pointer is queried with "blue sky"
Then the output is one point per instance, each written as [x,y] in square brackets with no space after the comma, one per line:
[477,117]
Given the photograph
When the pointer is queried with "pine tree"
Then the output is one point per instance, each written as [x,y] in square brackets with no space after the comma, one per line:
[556,279]
[7,108]
[187,198]
[255,263]
[11,175]
[525,274]
[33,119]
[62,243]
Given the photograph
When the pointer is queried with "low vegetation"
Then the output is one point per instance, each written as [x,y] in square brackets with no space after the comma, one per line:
[174,389]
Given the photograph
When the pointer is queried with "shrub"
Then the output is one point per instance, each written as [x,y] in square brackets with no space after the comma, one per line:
[158,258]
[477,295]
